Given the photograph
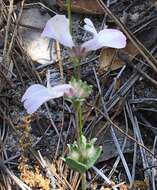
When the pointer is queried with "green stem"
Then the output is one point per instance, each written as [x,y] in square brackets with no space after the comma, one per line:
[79,118]
[77,124]
[76,63]
[76,60]
[84,182]
[78,69]
[69,15]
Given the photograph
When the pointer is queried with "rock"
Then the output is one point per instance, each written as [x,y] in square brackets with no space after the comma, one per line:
[35,45]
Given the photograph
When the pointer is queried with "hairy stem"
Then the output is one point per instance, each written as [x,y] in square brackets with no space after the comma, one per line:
[84,182]
[79,119]
[76,63]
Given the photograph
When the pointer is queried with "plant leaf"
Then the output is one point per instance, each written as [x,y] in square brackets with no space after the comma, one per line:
[75,165]
[82,167]
[94,158]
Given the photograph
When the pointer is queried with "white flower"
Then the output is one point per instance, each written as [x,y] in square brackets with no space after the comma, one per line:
[105,38]
[38,94]
[58,28]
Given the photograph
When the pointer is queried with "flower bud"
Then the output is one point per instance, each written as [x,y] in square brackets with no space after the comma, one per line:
[80,90]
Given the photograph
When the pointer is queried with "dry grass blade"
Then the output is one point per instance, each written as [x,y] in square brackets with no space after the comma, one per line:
[146,54]
[6,41]
[58,175]
[153,163]
[3,135]
[122,149]
[121,155]
[4,179]
[49,173]
[137,133]
[7,30]
[59,60]
[14,178]
[107,180]
[15,29]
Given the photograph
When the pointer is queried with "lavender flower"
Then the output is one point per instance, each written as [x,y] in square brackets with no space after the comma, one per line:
[58,28]
[38,94]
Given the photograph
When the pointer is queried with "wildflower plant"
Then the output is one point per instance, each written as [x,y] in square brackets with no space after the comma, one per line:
[82,153]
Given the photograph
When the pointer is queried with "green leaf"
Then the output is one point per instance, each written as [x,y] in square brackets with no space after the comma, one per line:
[83,141]
[76,166]
[83,167]
[90,162]
[84,156]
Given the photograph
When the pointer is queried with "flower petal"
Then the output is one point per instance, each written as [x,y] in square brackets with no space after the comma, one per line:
[106,38]
[34,97]
[59,90]
[112,38]
[37,94]
[91,45]
[58,28]
[33,103]
[89,26]
[35,88]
